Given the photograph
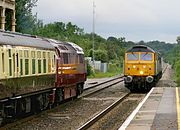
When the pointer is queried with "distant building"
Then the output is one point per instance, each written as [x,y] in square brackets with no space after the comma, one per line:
[7,6]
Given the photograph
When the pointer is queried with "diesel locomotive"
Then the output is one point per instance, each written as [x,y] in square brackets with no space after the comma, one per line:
[37,73]
[142,68]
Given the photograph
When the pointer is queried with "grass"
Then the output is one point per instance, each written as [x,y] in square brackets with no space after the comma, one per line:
[110,73]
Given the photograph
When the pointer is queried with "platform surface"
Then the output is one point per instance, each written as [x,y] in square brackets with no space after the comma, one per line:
[159,112]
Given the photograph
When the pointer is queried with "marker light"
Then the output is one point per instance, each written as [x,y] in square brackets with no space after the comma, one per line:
[141,72]
[134,66]
[144,66]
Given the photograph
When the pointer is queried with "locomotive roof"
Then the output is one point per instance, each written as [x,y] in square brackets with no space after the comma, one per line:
[140,48]
[63,46]
[78,49]
[18,39]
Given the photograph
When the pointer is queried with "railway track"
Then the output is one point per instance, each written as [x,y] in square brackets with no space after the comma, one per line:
[103,85]
[99,116]
[87,92]
[104,112]
[93,86]
[113,116]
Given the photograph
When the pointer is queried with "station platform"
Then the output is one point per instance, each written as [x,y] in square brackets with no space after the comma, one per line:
[160,110]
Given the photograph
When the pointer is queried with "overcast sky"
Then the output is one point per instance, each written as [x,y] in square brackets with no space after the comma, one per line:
[133,19]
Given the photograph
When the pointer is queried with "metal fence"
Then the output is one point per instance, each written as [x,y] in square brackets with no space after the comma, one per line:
[97,65]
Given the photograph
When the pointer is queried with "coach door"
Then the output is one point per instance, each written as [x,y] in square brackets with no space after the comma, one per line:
[15,62]
[58,68]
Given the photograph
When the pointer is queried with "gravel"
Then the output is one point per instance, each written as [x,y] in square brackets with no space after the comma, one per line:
[73,114]
[167,78]
[114,119]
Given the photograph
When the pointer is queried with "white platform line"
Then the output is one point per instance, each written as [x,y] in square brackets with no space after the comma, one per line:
[130,118]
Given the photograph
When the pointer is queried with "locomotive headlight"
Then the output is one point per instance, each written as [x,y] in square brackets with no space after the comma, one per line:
[144,66]
[134,66]
[141,72]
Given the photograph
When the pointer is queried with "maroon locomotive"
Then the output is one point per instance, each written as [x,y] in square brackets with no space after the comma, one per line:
[36,73]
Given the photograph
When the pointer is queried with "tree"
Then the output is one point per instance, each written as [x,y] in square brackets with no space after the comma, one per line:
[178,40]
[112,39]
[101,55]
[122,39]
[25,20]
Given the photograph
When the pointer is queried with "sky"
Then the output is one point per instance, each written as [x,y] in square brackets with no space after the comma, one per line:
[135,20]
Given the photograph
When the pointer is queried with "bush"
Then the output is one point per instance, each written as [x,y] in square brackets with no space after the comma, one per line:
[89,69]
[178,72]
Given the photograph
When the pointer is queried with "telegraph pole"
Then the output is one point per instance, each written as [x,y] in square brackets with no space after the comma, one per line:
[93,34]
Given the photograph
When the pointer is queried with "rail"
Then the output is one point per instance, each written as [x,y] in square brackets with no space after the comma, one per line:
[104,112]
[104,82]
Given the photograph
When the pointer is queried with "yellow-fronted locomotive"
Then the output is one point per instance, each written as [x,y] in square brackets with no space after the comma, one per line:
[142,68]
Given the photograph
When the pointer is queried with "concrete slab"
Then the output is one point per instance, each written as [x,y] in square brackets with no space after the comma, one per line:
[166,115]
[158,112]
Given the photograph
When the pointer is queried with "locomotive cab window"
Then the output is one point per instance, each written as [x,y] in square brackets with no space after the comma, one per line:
[81,58]
[132,56]
[146,56]
[66,58]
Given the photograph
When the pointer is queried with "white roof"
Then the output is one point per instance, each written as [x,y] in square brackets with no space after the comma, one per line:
[78,49]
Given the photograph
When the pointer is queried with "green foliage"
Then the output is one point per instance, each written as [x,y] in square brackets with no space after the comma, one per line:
[113,70]
[109,50]
[178,39]
[89,69]
[178,72]
[161,47]
[113,67]
[177,64]
[101,55]
[25,20]
[105,50]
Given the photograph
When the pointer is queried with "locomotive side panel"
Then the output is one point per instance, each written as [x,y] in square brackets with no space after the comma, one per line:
[71,70]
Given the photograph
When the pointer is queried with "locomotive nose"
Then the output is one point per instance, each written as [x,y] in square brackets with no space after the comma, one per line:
[128,79]
[149,79]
